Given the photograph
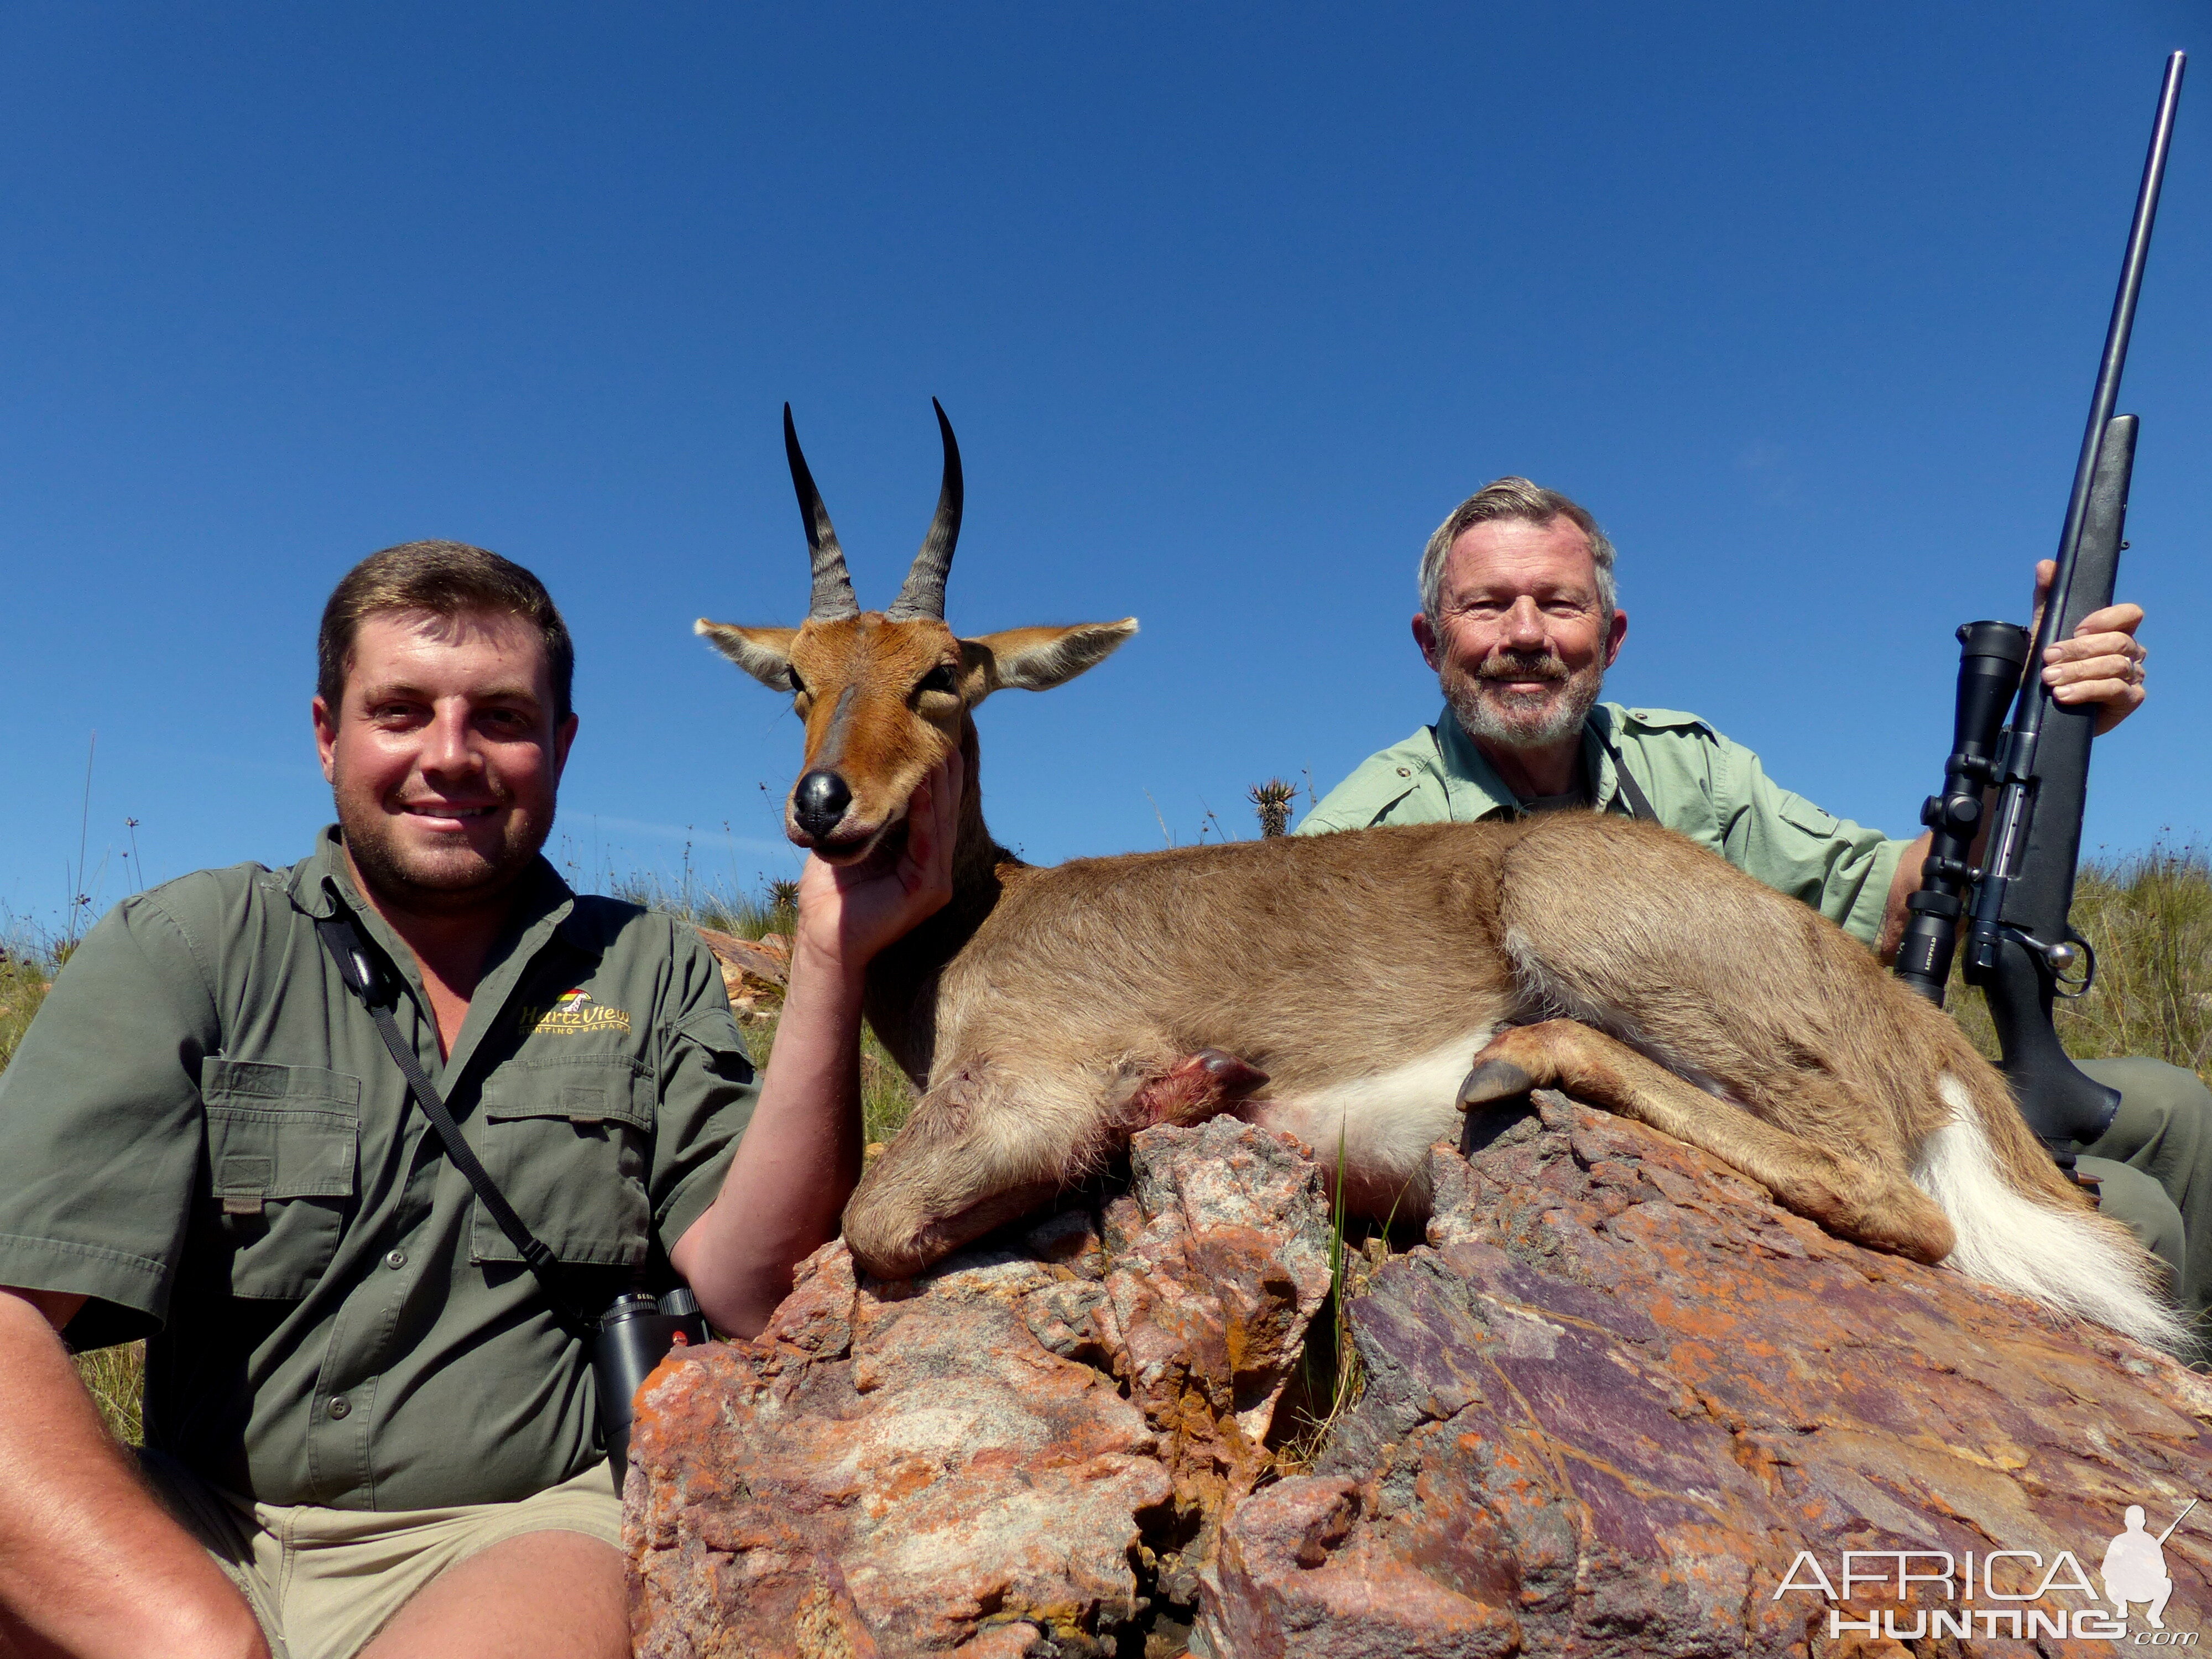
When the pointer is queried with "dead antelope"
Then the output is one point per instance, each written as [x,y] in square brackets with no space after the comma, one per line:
[1362,990]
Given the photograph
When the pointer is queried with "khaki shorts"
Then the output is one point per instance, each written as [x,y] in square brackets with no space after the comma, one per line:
[323,1581]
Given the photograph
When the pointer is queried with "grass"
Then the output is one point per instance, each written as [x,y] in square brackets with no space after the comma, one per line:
[1331,1376]
[115,1377]
[24,972]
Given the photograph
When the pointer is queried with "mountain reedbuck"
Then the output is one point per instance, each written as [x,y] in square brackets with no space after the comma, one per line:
[1362,990]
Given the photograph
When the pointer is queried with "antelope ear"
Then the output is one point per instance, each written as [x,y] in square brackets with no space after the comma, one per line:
[762,653]
[1038,658]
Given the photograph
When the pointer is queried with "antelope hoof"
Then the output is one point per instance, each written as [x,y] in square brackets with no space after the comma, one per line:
[1905,1221]
[1195,1088]
[1494,1077]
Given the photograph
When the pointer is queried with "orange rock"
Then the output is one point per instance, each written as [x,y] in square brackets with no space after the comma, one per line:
[949,1464]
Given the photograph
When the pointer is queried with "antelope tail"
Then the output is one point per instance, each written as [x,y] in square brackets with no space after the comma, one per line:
[2069,1260]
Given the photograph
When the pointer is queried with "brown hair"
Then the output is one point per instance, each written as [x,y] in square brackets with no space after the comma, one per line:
[1512,498]
[444,579]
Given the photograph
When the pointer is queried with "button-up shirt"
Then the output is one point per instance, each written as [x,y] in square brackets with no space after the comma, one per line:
[1698,782]
[203,1132]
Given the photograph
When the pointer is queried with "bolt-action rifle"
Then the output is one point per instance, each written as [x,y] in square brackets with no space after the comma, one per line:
[2030,778]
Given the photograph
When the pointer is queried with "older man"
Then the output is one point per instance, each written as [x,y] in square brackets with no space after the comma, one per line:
[1520,620]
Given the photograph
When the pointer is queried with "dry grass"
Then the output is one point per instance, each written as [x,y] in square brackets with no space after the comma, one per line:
[23,975]
[886,1097]
[115,1377]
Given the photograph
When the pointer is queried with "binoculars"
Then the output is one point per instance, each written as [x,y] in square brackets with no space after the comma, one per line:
[634,1334]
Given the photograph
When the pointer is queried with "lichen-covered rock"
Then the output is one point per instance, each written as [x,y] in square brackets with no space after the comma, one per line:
[949,1464]
[1619,1391]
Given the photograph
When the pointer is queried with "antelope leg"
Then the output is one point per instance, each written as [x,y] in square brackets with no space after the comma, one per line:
[1859,1201]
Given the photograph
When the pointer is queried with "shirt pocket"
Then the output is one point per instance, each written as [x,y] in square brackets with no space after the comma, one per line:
[283,1142]
[568,1145]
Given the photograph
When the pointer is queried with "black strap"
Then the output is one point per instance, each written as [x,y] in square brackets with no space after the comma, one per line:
[358,968]
[1639,803]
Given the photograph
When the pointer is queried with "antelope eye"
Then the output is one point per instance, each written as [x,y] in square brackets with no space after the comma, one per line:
[939,678]
[797,685]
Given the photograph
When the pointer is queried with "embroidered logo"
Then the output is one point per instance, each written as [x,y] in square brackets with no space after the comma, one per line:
[572,1012]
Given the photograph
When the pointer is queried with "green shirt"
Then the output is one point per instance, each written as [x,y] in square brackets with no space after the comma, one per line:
[1698,783]
[203,1132]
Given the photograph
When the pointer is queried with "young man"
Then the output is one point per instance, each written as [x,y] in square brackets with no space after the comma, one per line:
[1520,620]
[367,1428]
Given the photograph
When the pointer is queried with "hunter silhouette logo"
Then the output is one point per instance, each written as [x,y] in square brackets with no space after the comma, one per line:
[2134,1567]
[573,1012]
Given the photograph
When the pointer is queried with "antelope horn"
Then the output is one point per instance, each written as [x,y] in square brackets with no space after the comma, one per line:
[833,586]
[924,592]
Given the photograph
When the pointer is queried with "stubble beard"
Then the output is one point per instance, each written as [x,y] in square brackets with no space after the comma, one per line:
[457,879]
[1488,711]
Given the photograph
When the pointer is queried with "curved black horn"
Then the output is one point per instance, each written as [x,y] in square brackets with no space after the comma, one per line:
[833,586]
[924,592]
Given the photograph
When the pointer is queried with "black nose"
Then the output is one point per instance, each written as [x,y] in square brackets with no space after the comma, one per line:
[819,802]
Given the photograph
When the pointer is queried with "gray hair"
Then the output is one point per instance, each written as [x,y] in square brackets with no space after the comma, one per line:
[1512,498]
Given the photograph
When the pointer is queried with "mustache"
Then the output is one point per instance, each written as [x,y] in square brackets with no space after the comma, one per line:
[1524,665]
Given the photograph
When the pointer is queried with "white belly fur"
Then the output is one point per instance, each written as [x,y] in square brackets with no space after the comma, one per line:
[1384,1122]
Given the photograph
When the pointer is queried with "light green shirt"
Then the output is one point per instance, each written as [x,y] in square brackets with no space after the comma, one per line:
[203,1132]
[1698,783]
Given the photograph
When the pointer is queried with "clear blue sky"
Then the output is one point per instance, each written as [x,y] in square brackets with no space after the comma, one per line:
[1229,306]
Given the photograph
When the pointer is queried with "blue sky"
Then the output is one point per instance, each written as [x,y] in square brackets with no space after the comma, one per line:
[1229,306]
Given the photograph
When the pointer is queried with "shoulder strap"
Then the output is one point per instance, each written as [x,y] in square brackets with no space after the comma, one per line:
[358,968]
[1639,803]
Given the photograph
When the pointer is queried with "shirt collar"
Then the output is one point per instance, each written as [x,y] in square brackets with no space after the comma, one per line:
[323,887]
[1474,789]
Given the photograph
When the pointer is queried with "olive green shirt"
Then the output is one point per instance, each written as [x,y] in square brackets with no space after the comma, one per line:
[1698,782]
[203,1132]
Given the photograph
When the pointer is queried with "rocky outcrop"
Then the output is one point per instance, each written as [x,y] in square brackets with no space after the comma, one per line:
[755,971]
[1025,1451]
[1619,1394]
[1619,1403]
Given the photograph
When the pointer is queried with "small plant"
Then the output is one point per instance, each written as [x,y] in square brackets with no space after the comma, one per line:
[783,905]
[1331,1376]
[1272,801]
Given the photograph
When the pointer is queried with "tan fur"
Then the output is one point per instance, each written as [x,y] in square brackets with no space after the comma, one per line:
[1045,1011]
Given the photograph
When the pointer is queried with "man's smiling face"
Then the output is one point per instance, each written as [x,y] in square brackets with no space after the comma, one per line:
[444,755]
[1520,642]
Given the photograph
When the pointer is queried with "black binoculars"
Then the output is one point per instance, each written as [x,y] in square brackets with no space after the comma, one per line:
[634,1334]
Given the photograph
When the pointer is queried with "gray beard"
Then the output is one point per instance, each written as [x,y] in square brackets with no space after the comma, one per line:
[1520,721]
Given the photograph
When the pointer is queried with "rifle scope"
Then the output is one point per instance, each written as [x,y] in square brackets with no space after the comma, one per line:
[1990,656]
